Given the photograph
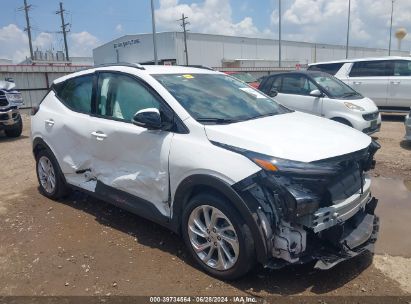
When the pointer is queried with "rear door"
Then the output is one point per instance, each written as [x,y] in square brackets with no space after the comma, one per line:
[65,124]
[127,157]
[294,92]
[399,93]
[371,79]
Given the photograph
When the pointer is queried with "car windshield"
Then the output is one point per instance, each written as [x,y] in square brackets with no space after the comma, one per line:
[336,88]
[216,98]
[246,77]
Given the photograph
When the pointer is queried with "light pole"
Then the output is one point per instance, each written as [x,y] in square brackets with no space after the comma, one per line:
[279,33]
[348,29]
[153,21]
[392,12]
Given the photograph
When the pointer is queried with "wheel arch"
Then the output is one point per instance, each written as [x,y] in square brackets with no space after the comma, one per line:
[195,184]
[38,145]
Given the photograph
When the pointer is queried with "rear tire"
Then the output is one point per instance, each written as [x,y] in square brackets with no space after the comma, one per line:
[224,249]
[15,130]
[49,175]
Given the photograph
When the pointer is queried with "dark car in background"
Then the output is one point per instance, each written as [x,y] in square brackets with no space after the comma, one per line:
[10,102]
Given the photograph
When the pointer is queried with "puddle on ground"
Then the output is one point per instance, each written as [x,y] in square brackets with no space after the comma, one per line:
[394,210]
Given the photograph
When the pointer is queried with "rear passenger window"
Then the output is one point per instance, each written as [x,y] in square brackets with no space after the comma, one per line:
[402,68]
[121,97]
[330,68]
[372,68]
[76,93]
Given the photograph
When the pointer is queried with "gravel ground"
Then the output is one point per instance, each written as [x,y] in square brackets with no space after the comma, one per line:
[82,246]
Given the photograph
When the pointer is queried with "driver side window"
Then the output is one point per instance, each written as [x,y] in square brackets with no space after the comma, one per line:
[121,97]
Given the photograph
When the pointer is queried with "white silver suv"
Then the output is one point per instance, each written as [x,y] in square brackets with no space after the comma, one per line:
[240,177]
[386,80]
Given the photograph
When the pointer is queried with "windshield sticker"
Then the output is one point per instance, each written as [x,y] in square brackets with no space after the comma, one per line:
[188,76]
[252,92]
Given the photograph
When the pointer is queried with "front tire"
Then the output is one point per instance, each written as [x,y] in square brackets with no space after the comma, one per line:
[51,181]
[217,237]
[15,130]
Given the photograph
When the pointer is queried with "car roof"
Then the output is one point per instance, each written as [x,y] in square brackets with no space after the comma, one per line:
[362,59]
[138,69]
[303,72]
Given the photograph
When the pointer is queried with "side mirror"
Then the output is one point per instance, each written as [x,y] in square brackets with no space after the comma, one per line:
[316,93]
[148,118]
[273,93]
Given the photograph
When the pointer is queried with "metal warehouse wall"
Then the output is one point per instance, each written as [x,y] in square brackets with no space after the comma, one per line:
[33,81]
[135,48]
[211,50]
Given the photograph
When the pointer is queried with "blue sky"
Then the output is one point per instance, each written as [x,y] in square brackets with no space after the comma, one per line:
[94,22]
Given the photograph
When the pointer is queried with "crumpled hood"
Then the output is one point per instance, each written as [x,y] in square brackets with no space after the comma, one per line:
[295,136]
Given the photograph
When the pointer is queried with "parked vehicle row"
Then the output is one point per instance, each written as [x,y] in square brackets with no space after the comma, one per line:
[387,81]
[242,178]
[10,101]
[321,94]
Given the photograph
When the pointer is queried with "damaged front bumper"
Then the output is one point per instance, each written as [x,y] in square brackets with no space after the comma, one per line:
[320,218]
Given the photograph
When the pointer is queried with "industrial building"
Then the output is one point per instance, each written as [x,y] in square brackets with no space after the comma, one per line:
[224,52]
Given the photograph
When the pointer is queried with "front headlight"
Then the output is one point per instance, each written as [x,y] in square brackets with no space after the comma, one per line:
[280,165]
[354,107]
[274,164]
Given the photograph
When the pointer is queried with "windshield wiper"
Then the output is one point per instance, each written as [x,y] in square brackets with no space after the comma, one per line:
[217,120]
[348,94]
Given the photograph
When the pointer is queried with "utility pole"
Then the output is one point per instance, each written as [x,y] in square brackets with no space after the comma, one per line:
[348,29]
[26,9]
[184,23]
[153,22]
[63,29]
[392,13]
[279,33]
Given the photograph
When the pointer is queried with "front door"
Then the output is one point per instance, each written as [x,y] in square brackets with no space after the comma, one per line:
[294,93]
[127,157]
[400,85]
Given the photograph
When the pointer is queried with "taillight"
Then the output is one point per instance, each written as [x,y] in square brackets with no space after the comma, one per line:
[34,110]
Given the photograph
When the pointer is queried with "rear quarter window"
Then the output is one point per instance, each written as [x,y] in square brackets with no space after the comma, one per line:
[330,68]
[76,93]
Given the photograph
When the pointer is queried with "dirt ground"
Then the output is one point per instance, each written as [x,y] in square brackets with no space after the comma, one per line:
[82,246]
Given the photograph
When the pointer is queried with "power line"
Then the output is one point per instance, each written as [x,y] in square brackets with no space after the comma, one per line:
[184,24]
[26,9]
[64,29]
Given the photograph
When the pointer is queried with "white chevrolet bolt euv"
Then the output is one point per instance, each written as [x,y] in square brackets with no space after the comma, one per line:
[241,178]
[321,94]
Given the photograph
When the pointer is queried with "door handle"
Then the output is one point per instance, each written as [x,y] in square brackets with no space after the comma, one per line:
[99,135]
[395,82]
[357,82]
[49,122]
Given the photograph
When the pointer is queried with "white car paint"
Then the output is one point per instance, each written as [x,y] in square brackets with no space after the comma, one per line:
[296,136]
[331,108]
[390,91]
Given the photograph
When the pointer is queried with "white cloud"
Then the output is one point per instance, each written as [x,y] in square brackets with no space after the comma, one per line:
[119,28]
[82,44]
[15,46]
[14,43]
[209,16]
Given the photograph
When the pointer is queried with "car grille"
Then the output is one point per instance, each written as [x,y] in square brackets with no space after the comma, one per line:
[3,101]
[370,116]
